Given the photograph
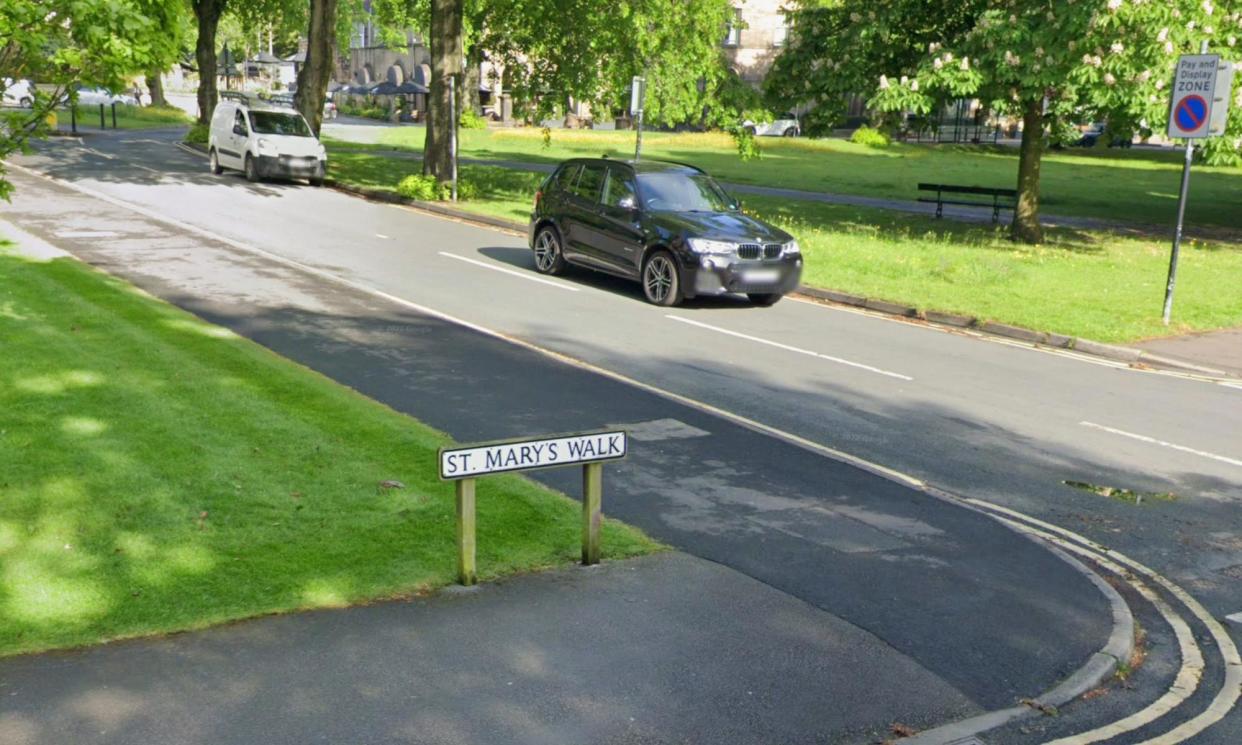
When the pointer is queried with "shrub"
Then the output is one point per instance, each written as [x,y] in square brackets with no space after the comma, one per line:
[418,186]
[869,137]
[471,120]
[198,134]
[747,144]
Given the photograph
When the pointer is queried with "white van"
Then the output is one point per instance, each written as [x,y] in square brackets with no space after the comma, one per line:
[261,140]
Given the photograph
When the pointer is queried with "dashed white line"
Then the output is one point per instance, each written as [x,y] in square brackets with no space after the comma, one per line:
[788,348]
[1164,443]
[523,275]
[381,235]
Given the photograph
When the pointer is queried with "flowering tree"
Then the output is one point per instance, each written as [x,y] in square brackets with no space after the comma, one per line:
[1047,60]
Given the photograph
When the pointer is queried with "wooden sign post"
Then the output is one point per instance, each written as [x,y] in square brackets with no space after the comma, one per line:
[465,463]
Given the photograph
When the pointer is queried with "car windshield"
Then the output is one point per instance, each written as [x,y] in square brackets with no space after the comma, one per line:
[679,191]
[277,123]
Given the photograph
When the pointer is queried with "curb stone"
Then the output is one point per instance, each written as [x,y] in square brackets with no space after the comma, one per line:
[1042,338]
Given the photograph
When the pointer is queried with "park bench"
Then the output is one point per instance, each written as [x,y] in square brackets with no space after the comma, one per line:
[1001,198]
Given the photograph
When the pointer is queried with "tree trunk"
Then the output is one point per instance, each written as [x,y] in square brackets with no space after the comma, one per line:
[1026,227]
[473,79]
[155,88]
[446,59]
[208,13]
[315,74]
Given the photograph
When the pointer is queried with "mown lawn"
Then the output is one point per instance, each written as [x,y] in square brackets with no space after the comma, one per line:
[158,473]
[1138,185]
[1094,284]
[127,117]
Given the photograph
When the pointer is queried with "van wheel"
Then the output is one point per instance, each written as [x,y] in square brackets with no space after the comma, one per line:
[252,171]
[216,168]
[661,285]
[317,181]
[764,299]
[548,256]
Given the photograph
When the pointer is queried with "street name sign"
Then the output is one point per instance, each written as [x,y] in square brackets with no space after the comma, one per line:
[481,459]
[1194,93]
[465,463]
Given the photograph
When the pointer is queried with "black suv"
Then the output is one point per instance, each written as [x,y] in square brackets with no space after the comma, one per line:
[668,225]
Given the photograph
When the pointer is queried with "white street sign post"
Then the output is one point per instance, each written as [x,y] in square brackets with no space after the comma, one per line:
[465,463]
[1198,110]
[638,94]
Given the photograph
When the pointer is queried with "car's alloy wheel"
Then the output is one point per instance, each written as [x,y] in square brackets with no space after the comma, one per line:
[548,258]
[660,283]
[215,163]
[252,172]
[791,132]
[27,102]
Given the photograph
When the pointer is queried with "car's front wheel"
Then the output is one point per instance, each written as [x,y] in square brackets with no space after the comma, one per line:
[214,160]
[252,169]
[764,299]
[661,284]
[791,132]
[27,102]
[548,256]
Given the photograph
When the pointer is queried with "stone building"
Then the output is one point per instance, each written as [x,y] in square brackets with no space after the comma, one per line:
[756,38]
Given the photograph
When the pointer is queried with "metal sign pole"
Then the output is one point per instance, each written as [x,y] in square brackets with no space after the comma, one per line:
[453,130]
[638,143]
[638,94]
[1181,217]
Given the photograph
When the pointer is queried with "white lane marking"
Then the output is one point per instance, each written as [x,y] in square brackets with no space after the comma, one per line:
[381,235]
[1220,706]
[85,234]
[1235,619]
[523,275]
[788,348]
[93,151]
[1163,443]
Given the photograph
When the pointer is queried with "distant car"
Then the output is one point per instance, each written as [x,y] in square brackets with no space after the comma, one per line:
[95,95]
[17,93]
[286,100]
[669,226]
[263,140]
[1093,135]
[786,125]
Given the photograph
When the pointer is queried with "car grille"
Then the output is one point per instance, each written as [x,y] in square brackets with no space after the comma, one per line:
[755,250]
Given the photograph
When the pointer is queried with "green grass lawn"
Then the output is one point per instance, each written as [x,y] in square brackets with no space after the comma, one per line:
[1136,185]
[127,117]
[158,473]
[1093,284]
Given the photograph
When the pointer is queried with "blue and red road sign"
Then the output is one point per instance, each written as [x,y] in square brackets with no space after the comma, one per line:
[1190,114]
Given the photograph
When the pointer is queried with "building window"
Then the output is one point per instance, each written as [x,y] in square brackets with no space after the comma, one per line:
[780,35]
[733,36]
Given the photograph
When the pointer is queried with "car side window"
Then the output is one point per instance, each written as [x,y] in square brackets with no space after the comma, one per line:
[590,182]
[620,191]
[565,177]
[239,120]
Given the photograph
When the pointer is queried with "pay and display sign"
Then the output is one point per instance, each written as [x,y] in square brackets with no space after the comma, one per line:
[1201,93]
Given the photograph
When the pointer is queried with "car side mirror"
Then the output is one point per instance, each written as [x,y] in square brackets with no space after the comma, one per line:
[239,130]
[628,203]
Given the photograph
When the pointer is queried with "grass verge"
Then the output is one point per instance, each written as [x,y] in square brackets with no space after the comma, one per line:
[1094,284]
[1138,185]
[160,473]
[127,117]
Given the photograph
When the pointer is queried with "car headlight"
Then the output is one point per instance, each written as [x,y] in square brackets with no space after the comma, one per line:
[711,248]
[323,152]
[791,249]
[267,146]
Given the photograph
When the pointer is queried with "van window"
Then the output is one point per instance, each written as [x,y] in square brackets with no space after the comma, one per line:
[239,120]
[279,123]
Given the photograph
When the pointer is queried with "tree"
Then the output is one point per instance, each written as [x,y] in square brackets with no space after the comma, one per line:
[1048,61]
[447,60]
[61,42]
[316,73]
[208,13]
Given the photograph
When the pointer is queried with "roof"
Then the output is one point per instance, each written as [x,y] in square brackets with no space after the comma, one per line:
[643,166]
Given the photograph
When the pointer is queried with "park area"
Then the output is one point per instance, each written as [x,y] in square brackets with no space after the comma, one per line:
[1100,276]
[163,474]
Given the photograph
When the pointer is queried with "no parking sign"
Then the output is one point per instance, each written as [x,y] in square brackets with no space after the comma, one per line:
[1200,97]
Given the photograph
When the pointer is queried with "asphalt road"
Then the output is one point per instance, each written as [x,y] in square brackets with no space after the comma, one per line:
[996,421]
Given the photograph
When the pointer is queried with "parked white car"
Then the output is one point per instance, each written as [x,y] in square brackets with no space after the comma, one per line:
[93,95]
[784,126]
[17,93]
[262,140]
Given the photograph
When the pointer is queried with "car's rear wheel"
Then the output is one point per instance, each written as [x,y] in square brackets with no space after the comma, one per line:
[764,299]
[252,169]
[661,284]
[27,102]
[548,256]
[791,132]
[214,159]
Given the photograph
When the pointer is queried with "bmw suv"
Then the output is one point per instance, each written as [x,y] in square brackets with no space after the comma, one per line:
[667,225]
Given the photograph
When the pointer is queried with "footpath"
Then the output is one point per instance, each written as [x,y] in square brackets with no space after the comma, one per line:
[810,602]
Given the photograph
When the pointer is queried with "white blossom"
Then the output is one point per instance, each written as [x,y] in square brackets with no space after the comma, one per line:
[965,63]
[1118,47]
[1207,7]
[1144,76]
[1113,5]
[914,85]
[1163,35]
[937,63]
[1168,47]
[856,17]
[904,80]
[1208,30]
[948,56]
[883,82]
[1109,79]
[1190,25]
[1160,85]
[1231,40]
